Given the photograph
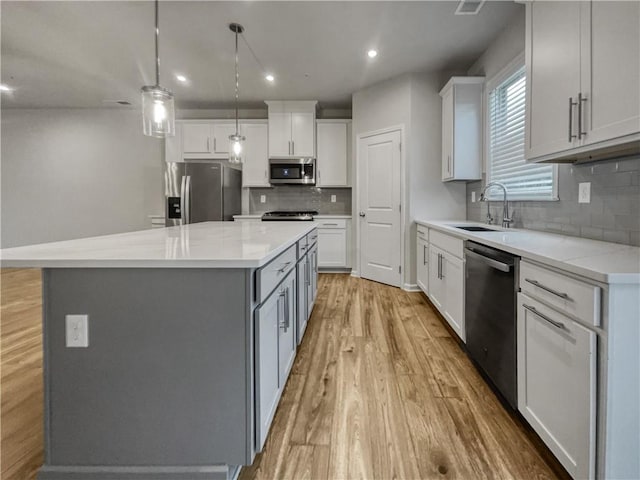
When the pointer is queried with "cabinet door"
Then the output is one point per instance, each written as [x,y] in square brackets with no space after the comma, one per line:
[302,283]
[453,273]
[553,76]
[611,70]
[221,133]
[196,138]
[332,247]
[286,339]
[279,134]
[312,288]
[256,163]
[422,265]
[447,135]
[303,134]
[332,156]
[436,284]
[267,319]
[557,383]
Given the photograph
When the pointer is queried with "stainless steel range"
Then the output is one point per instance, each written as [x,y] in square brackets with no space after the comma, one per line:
[286,216]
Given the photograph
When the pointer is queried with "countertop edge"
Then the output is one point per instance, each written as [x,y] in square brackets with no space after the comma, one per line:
[157,263]
[566,265]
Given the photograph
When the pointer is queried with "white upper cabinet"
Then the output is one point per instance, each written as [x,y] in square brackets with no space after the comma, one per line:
[292,131]
[462,128]
[279,134]
[611,71]
[255,164]
[303,134]
[332,163]
[220,133]
[196,138]
[209,139]
[553,76]
[583,98]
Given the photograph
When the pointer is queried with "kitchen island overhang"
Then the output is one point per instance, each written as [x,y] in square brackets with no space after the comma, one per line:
[167,385]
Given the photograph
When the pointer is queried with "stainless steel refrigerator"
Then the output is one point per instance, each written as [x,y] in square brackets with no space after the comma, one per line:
[201,192]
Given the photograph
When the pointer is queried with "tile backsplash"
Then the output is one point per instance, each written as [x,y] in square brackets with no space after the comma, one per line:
[294,197]
[613,214]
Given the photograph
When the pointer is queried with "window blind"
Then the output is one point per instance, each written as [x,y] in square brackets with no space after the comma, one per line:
[507,165]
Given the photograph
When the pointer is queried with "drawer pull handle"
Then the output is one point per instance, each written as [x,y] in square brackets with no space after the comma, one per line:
[559,325]
[330,224]
[536,283]
[284,267]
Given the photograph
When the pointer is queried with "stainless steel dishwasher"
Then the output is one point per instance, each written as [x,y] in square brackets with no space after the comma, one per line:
[491,288]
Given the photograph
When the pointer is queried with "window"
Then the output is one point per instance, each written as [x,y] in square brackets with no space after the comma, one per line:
[506,163]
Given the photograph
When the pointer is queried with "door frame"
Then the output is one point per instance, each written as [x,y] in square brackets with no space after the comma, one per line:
[403,199]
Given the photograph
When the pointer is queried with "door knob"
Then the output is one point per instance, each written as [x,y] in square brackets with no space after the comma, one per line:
[362,214]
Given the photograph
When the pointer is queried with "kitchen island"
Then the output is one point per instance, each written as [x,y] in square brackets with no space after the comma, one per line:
[190,335]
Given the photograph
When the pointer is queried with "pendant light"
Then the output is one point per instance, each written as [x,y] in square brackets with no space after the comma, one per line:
[236,140]
[158,115]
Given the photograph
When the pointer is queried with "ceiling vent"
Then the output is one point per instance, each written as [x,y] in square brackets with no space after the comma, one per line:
[469,7]
[119,102]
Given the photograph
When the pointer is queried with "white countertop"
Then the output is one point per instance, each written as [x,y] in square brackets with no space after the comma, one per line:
[320,216]
[199,245]
[601,261]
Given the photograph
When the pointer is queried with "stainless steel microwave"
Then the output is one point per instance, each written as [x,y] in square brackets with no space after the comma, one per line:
[296,171]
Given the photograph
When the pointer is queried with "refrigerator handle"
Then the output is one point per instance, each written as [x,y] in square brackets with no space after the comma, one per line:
[187,196]
[183,202]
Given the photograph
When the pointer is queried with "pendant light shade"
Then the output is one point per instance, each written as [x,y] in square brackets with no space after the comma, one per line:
[158,113]
[236,141]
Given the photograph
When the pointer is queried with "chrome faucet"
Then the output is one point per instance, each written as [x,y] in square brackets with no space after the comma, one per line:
[506,220]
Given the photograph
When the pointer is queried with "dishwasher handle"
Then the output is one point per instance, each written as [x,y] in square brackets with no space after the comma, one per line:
[503,267]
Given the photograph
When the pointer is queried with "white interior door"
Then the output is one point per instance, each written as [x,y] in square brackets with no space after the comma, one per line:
[380,198]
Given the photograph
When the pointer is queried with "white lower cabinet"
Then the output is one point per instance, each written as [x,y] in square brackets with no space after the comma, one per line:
[557,383]
[446,287]
[422,261]
[333,252]
[333,242]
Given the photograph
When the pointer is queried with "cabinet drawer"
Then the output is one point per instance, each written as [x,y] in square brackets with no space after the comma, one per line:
[453,245]
[332,223]
[423,232]
[269,276]
[303,246]
[312,237]
[573,297]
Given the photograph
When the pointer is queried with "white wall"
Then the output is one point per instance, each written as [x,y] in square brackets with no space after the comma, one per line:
[410,100]
[507,46]
[430,197]
[71,173]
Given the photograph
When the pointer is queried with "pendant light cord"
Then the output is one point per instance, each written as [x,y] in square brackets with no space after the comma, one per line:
[237,82]
[157,47]
[255,57]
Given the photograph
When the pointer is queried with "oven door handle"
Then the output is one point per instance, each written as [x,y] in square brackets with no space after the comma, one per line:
[503,267]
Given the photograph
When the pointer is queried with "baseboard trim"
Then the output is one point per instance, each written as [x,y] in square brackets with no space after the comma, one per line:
[74,472]
[411,287]
[333,270]
[355,274]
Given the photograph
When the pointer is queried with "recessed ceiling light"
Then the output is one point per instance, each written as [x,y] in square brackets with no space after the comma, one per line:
[5,88]
[372,53]
[269,77]
[181,78]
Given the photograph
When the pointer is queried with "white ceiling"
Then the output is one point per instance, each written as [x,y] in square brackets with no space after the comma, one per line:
[79,53]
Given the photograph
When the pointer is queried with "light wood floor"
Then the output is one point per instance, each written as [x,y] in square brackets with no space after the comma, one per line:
[381,390]
[21,402]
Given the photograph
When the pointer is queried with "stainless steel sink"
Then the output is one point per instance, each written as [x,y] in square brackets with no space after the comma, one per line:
[474,228]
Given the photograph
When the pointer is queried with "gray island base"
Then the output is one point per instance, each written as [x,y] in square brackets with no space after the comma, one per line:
[185,364]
